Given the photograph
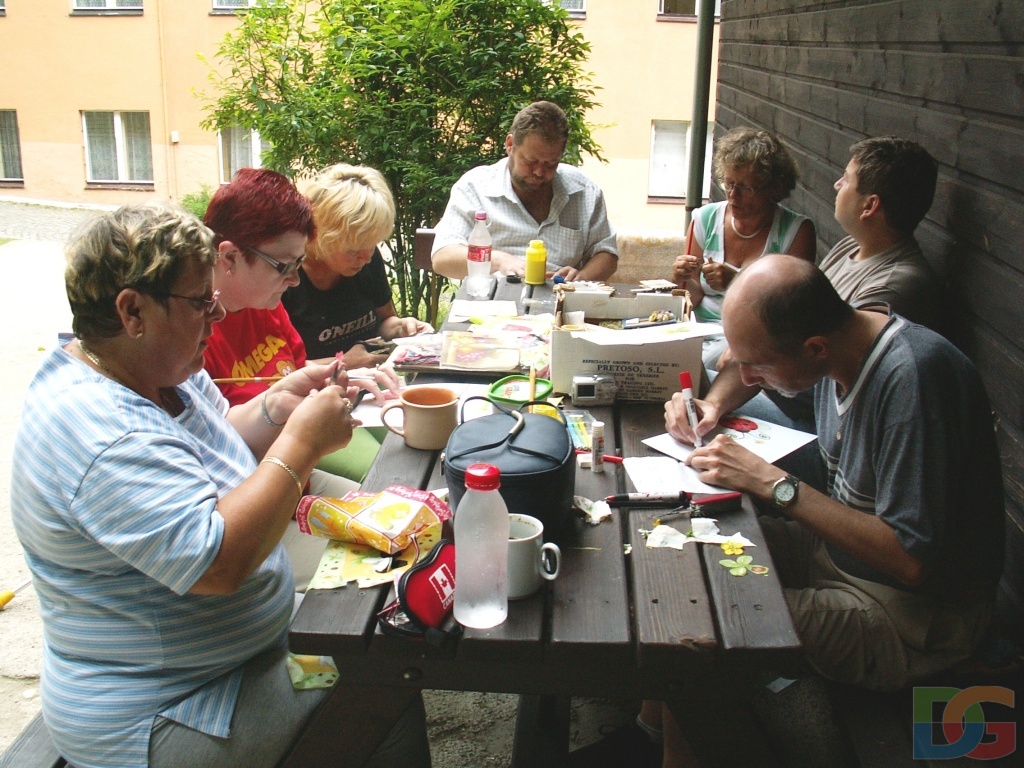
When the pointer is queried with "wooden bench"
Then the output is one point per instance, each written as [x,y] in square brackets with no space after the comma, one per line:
[32,749]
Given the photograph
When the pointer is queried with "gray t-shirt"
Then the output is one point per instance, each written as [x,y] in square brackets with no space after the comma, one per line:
[912,442]
[899,277]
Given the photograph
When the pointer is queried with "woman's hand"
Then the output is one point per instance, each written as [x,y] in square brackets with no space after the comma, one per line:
[284,396]
[382,382]
[323,421]
[684,268]
[718,274]
[400,327]
[507,264]
[359,357]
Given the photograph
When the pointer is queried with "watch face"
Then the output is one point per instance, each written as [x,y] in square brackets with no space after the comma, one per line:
[784,492]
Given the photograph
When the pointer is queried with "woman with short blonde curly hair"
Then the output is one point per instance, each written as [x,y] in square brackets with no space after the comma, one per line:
[757,173]
[343,298]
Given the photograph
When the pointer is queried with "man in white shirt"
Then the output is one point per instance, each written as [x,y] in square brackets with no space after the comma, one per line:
[530,195]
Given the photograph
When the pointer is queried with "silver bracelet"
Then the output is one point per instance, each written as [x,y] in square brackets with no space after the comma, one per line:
[266,414]
[286,468]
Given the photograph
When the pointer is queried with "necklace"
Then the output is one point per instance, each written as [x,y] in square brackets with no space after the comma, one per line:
[170,401]
[732,221]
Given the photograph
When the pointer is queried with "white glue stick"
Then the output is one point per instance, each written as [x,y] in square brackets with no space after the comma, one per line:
[597,447]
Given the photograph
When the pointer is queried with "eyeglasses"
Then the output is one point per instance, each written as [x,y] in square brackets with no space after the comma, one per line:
[199,303]
[743,189]
[285,269]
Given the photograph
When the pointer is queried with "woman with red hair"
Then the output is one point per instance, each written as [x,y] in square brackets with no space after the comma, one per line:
[262,225]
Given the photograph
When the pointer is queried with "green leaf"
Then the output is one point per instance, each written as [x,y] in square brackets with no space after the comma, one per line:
[760,570]
[741,571]
[729,563]
[744,559]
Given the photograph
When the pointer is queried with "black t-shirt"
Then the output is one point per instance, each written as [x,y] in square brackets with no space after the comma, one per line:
[332,321]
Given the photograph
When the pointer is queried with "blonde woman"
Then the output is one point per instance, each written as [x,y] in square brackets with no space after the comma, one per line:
[343,297]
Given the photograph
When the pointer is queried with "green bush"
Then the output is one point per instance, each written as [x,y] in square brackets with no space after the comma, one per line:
[196,202]
[422,90]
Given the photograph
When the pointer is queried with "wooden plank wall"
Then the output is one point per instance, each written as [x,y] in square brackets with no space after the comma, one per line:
[949,74]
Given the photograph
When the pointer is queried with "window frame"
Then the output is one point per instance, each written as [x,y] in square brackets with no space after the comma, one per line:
[110,7]
[576,13]
[664,15]
[5,180]
[230,10]
[256,146]
[121,150]
[658,196]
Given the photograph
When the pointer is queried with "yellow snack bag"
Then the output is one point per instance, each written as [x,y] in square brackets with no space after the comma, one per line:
[386,521]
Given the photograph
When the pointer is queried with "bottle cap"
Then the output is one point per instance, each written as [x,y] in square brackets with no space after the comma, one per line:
[483,477]
[480,215]
[685,382]
[559,279]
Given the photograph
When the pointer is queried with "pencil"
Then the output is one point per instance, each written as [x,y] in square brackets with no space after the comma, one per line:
[689,240]
[247,379]
[533,386]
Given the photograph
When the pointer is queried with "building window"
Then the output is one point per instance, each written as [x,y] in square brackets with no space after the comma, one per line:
[239,148]
[684,8]
[575,7]
[107,5]
[118,147]
[670,157]
[10,147]
[231,5]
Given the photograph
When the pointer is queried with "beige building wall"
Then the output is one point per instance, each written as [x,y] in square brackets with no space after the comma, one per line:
[644,66]
[57,63]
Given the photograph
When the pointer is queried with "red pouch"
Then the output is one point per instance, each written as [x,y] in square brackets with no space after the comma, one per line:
[426,593]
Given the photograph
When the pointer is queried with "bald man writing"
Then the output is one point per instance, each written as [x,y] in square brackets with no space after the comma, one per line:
[891,574]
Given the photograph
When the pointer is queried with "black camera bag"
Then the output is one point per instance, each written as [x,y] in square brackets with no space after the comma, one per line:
[534,454]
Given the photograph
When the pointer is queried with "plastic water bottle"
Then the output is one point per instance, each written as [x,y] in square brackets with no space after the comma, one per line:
[478,278]
[481,550]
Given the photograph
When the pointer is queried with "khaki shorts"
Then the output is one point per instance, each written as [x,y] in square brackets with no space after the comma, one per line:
[863,633]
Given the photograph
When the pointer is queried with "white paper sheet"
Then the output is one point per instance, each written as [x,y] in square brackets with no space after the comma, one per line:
[769,441]
[368,411]
[663,474]
[464,309]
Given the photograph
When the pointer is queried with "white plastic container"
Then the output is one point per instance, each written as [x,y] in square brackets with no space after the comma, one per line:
[481,550]
[478,262]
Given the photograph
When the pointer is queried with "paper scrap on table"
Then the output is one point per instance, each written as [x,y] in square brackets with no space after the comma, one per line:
[594,511]
[343,562]
[704,531]
[663,474]
[368,411]
[652,335]
[769,441]
[464,309]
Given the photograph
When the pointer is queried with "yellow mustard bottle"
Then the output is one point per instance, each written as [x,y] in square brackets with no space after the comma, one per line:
[536,262]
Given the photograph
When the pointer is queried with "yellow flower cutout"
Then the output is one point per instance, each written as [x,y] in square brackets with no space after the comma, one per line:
[732,548]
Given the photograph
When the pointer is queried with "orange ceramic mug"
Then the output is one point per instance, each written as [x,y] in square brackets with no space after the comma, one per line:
[430,415]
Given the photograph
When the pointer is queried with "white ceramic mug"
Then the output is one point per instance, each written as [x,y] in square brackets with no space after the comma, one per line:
[530,560]
[431,414]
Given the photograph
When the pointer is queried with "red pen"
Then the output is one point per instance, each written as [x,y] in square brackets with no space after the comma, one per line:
[611,459]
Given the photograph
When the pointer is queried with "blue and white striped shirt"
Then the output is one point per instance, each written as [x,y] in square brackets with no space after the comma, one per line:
[115,503]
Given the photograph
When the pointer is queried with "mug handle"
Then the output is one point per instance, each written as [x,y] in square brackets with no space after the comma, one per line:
[550,561]
[387,407]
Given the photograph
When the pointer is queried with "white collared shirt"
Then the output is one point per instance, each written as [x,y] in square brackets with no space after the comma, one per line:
[575,229]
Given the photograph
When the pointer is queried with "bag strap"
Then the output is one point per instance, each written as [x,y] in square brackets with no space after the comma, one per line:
[507,437]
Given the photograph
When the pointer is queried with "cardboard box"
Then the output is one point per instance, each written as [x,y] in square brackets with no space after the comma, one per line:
[645,362]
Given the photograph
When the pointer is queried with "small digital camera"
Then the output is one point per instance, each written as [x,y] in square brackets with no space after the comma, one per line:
[593,389]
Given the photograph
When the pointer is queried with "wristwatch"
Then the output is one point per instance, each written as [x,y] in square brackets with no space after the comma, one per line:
[784,491]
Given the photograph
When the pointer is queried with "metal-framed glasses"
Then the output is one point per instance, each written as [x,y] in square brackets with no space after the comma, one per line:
[743,189]
[199,303]
[284,268]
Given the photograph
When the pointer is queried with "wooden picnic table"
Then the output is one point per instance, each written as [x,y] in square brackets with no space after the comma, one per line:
[620,621]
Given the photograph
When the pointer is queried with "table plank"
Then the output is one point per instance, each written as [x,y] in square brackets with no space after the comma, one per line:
[670,598]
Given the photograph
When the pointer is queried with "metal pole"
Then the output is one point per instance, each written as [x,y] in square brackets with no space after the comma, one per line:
[701,98]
